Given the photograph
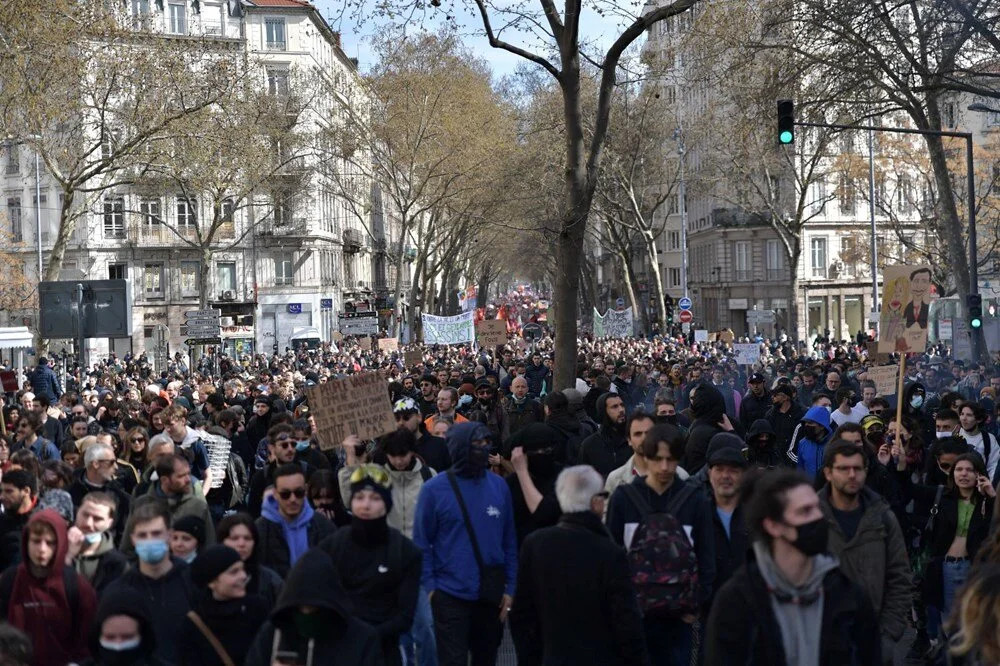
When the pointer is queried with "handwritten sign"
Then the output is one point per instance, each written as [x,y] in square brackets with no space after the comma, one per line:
[388,345]
[356,404]
[337,336]
[491,332]
[884,377]
[413,357]
[365,343]
[700,335]
[448,330]
[747,353]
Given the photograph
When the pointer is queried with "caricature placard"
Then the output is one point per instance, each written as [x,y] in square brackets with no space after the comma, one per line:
[907,293]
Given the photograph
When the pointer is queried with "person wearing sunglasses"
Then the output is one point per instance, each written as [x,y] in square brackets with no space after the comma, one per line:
[280,451]
[379,567]
[288,525]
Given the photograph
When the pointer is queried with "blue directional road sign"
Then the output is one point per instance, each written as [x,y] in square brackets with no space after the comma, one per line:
[684,303]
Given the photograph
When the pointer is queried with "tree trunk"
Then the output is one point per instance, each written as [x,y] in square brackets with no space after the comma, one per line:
[66,226]
[397,306]
[661,311]
[203,277]
[954,227]
[630,289]
[793,296]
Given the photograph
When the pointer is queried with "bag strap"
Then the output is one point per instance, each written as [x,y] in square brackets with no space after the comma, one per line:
[678,501]
[934,510]
[207,633]
[468,523]
[640,502]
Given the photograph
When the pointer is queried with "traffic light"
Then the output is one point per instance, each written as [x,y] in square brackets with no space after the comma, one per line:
[974,306]
[670,313]
[786,121]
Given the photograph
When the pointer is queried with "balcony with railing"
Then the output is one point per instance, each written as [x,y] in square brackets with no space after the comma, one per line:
[352,241]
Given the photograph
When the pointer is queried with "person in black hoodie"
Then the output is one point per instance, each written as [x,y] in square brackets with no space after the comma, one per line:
[708,408]
[314,622]
[223,610]
[122,632]
[607,449]
[567,427]
[761,449]
[259,423]
[536,459]
[378,566]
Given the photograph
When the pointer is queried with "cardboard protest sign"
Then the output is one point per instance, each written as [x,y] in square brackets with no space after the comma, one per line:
[874,355]
[337,336]
[365,342]
[448,330]
[700,335]
[907,293]
[357,404]
[491,332]
[747,353]
[885,377]
[413,357]
[388,344]
[726,336]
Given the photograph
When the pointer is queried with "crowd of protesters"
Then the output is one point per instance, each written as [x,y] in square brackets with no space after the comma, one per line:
[672,507]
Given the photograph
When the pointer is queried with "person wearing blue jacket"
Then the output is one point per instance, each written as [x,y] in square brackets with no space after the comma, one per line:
[464,622]
[815,433]
[44,381]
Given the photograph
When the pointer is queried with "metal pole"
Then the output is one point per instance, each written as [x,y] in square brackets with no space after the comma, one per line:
[38,215]
[871,196]
[973,243]
[81,353]
[682,196]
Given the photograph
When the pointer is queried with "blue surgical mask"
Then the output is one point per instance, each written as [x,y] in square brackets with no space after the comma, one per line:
[124,646]
[302,445]
[151,551]
[916,401]
[189,558]
[93,538]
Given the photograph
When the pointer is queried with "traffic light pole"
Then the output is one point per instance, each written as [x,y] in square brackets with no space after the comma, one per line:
[971,179]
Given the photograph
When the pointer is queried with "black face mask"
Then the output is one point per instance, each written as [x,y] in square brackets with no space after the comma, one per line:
[812,537]
[476,462]
[672,419]
[121,658]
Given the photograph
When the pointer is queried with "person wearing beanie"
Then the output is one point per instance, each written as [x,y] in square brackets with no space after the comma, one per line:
[726,465]
[708,409]
[537,461]
[187,537]
[378,566]
[223,609]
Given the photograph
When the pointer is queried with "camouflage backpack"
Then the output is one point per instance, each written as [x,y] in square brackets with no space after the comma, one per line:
[662,558]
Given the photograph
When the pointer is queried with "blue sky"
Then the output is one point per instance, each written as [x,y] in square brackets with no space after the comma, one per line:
[598,30]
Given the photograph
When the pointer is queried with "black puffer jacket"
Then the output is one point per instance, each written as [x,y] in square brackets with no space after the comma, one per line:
[343,639]
[767,456]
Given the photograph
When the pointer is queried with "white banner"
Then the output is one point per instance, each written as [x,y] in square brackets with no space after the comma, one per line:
[449,330]
[747,353]
[614,324]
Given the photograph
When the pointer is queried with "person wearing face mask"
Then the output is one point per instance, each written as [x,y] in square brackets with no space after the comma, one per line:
[761,449]
[305,449]
[158,578]
[122,633]
[792,605]
[378,566]
[470,563]
[806,450]
[91,545]
[487,409]
[223,610]
[536,461]
[314,622]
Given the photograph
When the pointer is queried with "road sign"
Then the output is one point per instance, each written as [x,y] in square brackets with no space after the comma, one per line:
[684,303]
[201,330]
[211,312]
[203,341]
[294,308]
[686,316]
[620,302]
[201,321]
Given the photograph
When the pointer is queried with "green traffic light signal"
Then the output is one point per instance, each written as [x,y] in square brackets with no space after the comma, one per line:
[786,137]
[786,121]
[976,322]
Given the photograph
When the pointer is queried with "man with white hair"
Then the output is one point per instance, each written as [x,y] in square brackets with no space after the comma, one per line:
[575,602]
[98,474]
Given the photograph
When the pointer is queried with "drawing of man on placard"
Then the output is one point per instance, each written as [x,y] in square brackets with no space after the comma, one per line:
[919,307]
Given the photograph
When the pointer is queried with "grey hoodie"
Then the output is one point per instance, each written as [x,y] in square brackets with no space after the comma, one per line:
[801,625]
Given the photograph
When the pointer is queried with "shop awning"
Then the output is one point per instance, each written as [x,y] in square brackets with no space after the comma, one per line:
[16,337]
